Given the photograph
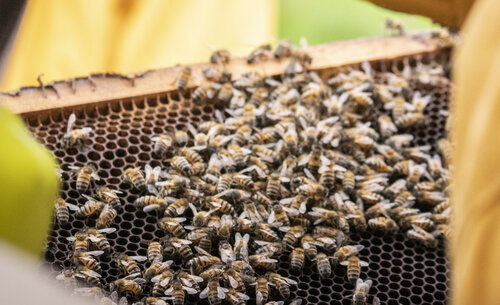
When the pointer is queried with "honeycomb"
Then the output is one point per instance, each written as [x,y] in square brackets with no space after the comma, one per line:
[402,271]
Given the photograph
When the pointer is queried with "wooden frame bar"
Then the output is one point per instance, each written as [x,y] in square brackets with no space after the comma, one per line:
[108,87]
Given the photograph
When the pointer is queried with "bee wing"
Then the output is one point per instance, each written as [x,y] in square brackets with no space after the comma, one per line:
[296,302]
[95,176]
[72,206]
[165,282]
[123,301]
[309,174]
[221,292]
[363,264]
[71,122]
[233,282]
[344,263]
[181,209]
[156,279]
[151,207]
[93,238]
[288,281]
[272,217]
[359,247]
[195,278]
[204,293]
[284,229]
[91,273]
[304,160]
[169,290]
[139,258]
[303,207]
[186,282]
[95,253]
[287,200]
[389,105]
[201,251]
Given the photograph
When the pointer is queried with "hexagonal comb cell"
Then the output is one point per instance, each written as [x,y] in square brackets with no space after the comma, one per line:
[402,272]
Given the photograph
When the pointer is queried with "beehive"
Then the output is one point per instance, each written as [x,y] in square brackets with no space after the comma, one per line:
[126,111]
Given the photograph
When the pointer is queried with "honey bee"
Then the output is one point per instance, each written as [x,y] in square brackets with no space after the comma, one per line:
[214,293]
[176,208]
[273,186]
[444,230]
[354,265]
[221,56]
[182,247]
[161,281]
[84,176]
[162,144]
[369,197]
[443,206]
[89,276]
[217,74]
[74,136]
[226,227]
[109,196]
[297,258]
[129,284]
[292,236]
[323,265]
[344,252]
[404,198]
[157,270]
[90,207]
[245,182]
[128,264]
[173,226]
[205,91]
[422,236]
[183,80]
[215,271]
[361,292]
[97,237]
[155,252]
[134,177]
[260,53]
[153,301]
[62,212]
[190,280]
[151,177]
[149,203]
[181,164]
[106,217]
[283,49]
[421,220]
[383,224]
[281,283]
[348,182]
[241,246]
[261,290]
[203,261]
[238,155]
[68,279]
[394,26]
[87,260]
[234,297]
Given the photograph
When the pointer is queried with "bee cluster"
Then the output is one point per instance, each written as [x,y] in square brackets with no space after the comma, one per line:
[290,167]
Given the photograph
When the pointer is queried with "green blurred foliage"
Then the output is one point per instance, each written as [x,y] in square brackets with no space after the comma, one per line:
[28,185]
[322,21]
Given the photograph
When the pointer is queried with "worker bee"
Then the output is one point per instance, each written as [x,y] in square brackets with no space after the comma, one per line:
[354,265]
[262,262]
[157,269]
[90,207]
[361,292]
[221,205]
[221,56]
[422,236]
[281,283]
[214,293]
[205,91]
[323,265]
[151,176]
[155,252]
[244,181]
[261,290]
[202,261]
[97,237]
[173,226]
[344,252]
[234,297]
[260,53]
[410,119]
[89,276]
[84,176]
[215,271]
[106,217]
[128,264]
[62,212]
[109,196]
[241,246]
[129,284]
[383,224]
[217,74]
[183,80]
[134,177]
[297,258]
[421,220]
[154,301]
[226,227]
[443,206]
[162,144]
[68,279]
[161,281]
[176,208]
[292,236]
[87,260]
[273,186]
[182,247]
[283,49]
[181,164]
[149,203]
[190,280]
[394,26]
[75,136]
